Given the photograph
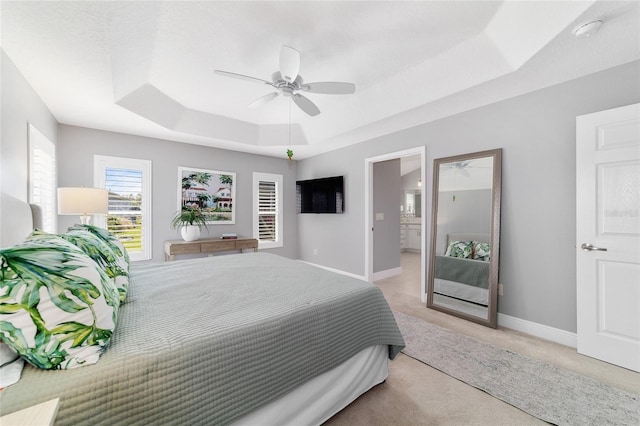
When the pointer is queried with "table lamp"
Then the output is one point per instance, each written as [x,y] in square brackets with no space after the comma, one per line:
[83,202]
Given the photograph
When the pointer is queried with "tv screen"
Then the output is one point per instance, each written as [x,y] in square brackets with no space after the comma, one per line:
[324,195]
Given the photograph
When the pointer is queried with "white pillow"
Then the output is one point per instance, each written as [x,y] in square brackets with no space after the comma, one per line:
[10,366]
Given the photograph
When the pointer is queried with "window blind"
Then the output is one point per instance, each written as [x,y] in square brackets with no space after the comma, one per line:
[42,177]
[267,211]
[128,181]
[125,217]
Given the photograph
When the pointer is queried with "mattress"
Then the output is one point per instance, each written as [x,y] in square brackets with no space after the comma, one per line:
[207,341]
[461,291]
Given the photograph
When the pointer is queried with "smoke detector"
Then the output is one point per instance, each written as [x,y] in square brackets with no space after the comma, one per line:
[588,29]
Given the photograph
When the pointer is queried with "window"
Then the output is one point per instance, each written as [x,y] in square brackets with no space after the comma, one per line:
[42,177]
[267,214]
[129,183]
[410,203]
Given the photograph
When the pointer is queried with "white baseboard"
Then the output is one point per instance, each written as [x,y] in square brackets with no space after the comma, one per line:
[376,276]
[360,277]
[539,330]
[533,328]
[381,275]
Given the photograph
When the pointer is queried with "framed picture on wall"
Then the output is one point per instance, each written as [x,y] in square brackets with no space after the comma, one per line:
[212,191]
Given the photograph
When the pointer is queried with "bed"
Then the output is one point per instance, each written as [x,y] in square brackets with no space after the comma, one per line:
[463,278]
[249,338]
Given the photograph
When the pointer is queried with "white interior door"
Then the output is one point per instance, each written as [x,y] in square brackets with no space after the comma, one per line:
[608,235]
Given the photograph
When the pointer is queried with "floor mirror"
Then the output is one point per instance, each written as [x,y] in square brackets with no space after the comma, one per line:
[465,236]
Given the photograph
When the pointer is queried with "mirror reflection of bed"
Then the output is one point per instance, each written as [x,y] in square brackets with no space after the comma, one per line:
[462,283]
[465,236]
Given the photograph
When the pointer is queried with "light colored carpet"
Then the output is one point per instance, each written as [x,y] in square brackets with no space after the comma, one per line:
[552,394]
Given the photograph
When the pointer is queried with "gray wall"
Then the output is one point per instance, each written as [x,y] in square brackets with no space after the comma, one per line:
[410,180]
[325,235]
[387,197]
[537,134]
[470,212]
[78,145]
[20,105]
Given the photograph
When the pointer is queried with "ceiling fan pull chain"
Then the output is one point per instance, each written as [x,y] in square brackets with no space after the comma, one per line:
[289,151]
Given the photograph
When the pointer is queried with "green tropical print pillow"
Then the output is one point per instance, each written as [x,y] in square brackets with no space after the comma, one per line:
[58,308]
[120,253]
[98,250]
[462,249]
[481,251]
[107,237]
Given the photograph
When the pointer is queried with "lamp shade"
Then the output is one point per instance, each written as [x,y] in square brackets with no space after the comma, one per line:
[82,201]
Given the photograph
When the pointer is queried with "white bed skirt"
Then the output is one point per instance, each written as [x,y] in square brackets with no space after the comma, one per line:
[461,291]
[316,401]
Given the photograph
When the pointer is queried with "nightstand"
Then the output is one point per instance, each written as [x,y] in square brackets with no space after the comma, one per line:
[40,414]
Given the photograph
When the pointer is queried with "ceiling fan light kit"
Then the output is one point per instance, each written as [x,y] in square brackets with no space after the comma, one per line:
[288,83]
[289,63]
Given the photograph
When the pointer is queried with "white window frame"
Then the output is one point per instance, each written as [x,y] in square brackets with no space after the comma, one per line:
[277,179]
[46,184]
[100,165]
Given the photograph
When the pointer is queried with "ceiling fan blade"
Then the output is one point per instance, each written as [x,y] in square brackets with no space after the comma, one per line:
[330,88]
[289,63]
[263,100]
[306,105]
[242,77]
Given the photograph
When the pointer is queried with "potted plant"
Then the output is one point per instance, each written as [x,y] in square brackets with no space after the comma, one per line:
[188,221]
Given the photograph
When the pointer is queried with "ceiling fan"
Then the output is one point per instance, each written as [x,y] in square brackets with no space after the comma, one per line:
[288,83]
[463,166]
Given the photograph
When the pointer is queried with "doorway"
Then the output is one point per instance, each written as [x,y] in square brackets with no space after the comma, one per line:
[420,153]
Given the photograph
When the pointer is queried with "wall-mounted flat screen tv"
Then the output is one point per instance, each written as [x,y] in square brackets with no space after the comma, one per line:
[324,195]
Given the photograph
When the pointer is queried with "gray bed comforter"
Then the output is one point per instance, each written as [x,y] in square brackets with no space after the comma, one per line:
[466,271]
[206,341]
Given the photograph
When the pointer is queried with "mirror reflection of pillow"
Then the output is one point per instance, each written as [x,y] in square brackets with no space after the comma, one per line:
[462,249]
[481,251]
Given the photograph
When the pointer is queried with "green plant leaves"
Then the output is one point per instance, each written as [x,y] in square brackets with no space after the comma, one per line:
[189,216]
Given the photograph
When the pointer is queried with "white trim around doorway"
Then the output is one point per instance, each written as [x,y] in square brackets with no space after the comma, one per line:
[368,220]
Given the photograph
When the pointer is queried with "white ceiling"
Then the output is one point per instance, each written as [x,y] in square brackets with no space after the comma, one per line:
[146,67]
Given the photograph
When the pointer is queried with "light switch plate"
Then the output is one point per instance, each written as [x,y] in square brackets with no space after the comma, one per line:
[379,216]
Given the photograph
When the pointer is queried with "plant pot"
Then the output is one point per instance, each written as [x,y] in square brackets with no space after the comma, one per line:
[190,232]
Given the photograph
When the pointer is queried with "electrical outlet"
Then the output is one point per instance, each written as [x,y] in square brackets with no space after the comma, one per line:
[315,252]
[500,290]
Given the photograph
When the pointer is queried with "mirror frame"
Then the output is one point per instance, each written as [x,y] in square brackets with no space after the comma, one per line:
[496,194]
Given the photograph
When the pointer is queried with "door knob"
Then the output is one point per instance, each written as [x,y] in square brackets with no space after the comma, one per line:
[591,247]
